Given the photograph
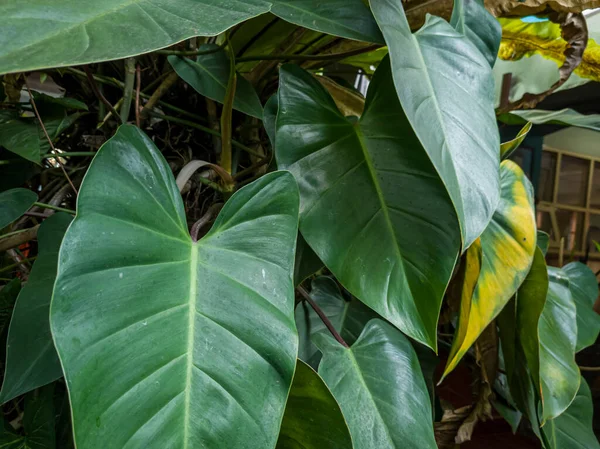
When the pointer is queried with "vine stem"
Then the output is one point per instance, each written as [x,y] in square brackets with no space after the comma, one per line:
[92,79]
[294,57]
[323,317]
[128,89]
[56,208]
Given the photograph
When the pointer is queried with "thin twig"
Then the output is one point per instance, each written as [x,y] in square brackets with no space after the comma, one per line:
[128,89]
[294,57]
[56,208]
[17,240]
[138,76]
[15,265]
[162,89]
[92,79]
[37,114]
[323,317]
[590,368]
[189,52]
[227,114]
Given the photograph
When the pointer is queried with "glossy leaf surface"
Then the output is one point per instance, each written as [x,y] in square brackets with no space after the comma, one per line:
[508,245]
[584,291]
[31,359]
[392,252]
[574,428]
[312,419]
[446,88]
[559,374]
[348,317]
[205,331]
[380,388]
[469,17]
[208,75]
[77,32]
[14,203]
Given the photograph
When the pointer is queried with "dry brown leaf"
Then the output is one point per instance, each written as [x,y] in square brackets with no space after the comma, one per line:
[347,101]
[503,8]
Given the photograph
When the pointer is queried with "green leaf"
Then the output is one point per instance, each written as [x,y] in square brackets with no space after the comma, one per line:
[508,148]
[270,117]
[208,76]
[312,419]
[543,241]
[393,253]
[564,117]
[574,428]
[380,388]
[65,102]
[8,296]
[446,89]
[33,39]
[166,342]
[14,203]
[470,18]
[559,374]
[507,246]
[348,318]
[306,262]
[31,359]
[584,291]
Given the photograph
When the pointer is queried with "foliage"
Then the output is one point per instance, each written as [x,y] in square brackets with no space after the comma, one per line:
[233,243]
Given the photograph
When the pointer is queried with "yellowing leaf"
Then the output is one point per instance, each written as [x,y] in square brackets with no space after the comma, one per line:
[508,245]
[508,148]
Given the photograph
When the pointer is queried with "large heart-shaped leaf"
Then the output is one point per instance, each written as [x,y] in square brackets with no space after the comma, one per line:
[584,291]
[31,359]
[208,75]
[358,187]
[14,203]
[348,318]
[574,428]
[469,17]
[77,32]
[166,342]
[508,245]
[446,88]
[559,374]
[312,419]
[380,388]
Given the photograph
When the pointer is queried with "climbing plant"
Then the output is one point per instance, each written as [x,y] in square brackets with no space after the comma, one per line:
[215,235]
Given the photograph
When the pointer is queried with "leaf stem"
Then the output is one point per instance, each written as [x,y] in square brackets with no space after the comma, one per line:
[323,317]
[294,57]
[128,89]
[92,80]
[227,112]
[190,52]
[56,208]
[75,153]
[15,265]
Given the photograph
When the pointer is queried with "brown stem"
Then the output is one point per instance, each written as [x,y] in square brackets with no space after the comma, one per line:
[17,240]
[162,89]
[206,218]
[138,76]
[323,317]
[102,98]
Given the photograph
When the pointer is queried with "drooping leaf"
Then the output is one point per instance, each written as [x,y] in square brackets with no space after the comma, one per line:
[8,296]
[270,117]
[66,102]
[504,403]
[348,317]
[208,75]
[559,374]
[312,419]
[14,203]
[469,17]
[33,39]
[380,388]
[445,86]
[525,38]
[508,246]
[306,261]
[508,148]
[166,342]
[543,241]
[573,429]
[393,253]
[502,8]
[31,359]
[564,117]
[584,291]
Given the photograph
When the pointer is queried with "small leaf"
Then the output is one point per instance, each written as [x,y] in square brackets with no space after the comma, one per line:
[208,76]
[446,89]
[312,419]
[584,291]
[166,342]
[270,117]
[564,117]
[574,428]
[543,241]
[380,388]
[391,252]
[508,148]
[470,18]
[348,318]
[31,359]
[14,203]
[508,247]
[306,262]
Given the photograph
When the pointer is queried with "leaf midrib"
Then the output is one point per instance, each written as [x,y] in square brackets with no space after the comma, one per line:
[190,342]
